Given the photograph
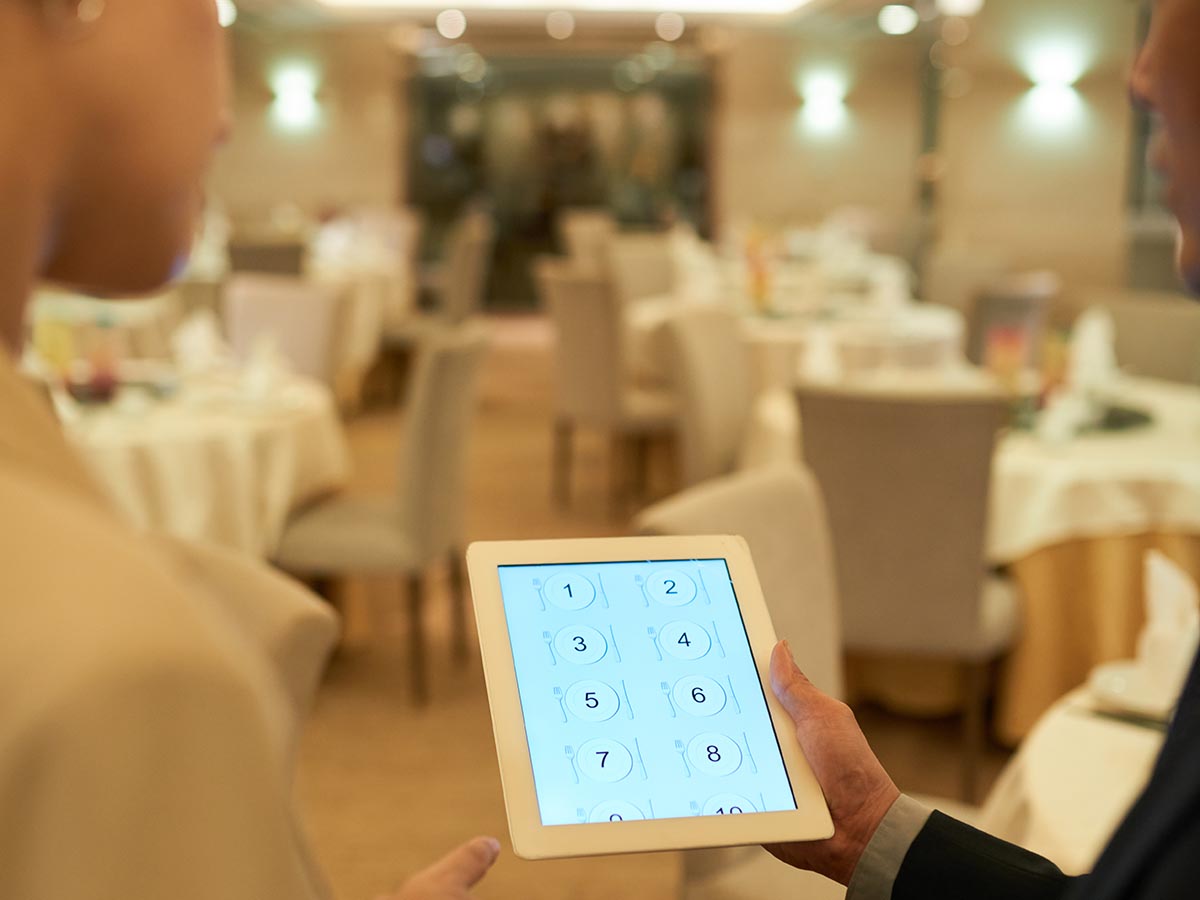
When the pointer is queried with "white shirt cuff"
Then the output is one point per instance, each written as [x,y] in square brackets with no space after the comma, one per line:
[879,865]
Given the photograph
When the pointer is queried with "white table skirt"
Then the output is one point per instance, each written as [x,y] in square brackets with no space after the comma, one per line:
[1139,481]
[1070,785]
[213,465]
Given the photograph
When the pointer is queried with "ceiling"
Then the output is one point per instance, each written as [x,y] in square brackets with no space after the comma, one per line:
[312,13]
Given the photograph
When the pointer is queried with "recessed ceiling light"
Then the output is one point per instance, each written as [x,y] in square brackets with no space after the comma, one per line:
[897,18]
[959,7]
[560,25]
[451,24]
[669,26]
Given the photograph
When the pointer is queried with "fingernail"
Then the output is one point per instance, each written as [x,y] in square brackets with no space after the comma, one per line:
[493,845]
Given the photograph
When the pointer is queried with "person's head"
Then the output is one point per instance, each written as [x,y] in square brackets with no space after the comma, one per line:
[126,100]
[1166,80]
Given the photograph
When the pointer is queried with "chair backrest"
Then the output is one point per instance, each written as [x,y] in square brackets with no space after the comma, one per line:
[642,266]
[711,376]
[780,513]
[589,347]
[1018,303]
[437,416]
[585,235]
[1158,335]
[305,318]
[466,262]
[905,479]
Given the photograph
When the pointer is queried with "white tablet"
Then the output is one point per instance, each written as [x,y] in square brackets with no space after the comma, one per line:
[630,701]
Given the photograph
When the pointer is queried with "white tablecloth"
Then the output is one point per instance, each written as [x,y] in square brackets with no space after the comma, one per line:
[212,464]
[867,339]
[369,297]
[1070,785]
[1140,481]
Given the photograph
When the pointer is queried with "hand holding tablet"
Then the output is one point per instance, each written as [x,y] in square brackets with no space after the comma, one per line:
[627,681]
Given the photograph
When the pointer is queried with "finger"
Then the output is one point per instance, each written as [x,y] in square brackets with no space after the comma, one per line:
[466,865]
[795,692]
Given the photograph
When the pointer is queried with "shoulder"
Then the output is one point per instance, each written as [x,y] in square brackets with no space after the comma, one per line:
[96,620]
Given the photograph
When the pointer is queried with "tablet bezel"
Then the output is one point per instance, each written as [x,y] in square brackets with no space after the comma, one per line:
[533,840]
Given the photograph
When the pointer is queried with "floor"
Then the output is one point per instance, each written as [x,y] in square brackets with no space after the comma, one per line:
[385,788]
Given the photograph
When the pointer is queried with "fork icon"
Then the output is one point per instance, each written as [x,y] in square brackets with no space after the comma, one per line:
[666,689]
[652,633]
[682,751]
[570,754]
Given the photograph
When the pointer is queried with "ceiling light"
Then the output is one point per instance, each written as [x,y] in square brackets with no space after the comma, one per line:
[560,25]
[669,26]
[896,18]
[451,24]
[226,12]
[959,7]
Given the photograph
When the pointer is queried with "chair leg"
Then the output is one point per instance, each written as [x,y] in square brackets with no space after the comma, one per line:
[619,457]
[560,487]
[458,605]
[416,638]
[975,679]
[640,466]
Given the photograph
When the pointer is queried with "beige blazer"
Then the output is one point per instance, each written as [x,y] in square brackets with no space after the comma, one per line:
[150,696]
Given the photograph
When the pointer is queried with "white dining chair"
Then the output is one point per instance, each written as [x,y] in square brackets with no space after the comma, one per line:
[421,524]
[1157,335]
[585,235]
[906,479]
[642,266]
[722,425]
[595,388]
[780,513]
[458,281]
[305,319]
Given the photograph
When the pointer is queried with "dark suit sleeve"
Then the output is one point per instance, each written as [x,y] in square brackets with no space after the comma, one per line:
[955,861]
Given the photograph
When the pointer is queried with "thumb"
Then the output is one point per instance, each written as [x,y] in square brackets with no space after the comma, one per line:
[466,865]
[796,693]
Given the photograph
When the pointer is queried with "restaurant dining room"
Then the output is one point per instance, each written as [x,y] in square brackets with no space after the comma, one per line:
[862,326]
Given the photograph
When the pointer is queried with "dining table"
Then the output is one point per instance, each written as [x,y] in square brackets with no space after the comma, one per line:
[214,457]
[1076,775]
[1070,522]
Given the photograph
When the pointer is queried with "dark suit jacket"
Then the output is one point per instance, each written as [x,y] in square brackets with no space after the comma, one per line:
[1154,854]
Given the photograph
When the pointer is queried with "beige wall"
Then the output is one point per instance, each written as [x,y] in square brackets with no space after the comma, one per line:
[772,169]
[353,156]
[1042,191]
[1034,195]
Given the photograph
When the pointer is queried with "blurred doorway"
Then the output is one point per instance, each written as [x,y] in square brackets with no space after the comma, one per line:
[531,136]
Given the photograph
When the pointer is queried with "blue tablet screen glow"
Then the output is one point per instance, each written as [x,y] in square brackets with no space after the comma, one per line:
[639,692]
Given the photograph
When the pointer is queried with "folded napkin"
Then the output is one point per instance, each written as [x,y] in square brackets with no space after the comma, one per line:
[198,346]
[267,370]
[891,285]
[1067,413]
[1093,363]
[821,362]
[1168,642]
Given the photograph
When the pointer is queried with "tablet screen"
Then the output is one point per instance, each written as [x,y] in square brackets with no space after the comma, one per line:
[639,692]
